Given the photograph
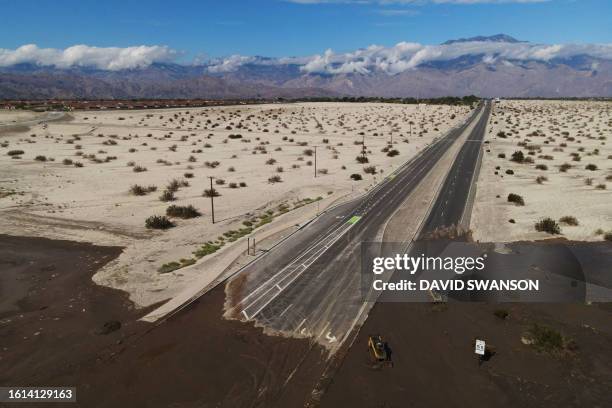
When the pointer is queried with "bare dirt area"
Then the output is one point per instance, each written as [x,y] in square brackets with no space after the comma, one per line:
[51,311]
[546,160]
[434,365]
[58,328]
[99,176]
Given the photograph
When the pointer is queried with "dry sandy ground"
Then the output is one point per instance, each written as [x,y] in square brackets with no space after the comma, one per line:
[551,133]
[93,203]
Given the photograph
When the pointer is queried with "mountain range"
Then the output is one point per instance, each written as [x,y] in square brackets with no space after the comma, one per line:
[495,66]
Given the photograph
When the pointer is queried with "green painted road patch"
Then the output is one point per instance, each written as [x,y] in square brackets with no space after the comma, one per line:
[354,219]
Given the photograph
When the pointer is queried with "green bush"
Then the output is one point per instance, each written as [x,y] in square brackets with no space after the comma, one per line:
[516,199]
[184,212]
[548,225]
[518,156]
[158,222]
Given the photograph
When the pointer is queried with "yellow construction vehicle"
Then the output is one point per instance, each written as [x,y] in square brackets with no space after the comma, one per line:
[379,351]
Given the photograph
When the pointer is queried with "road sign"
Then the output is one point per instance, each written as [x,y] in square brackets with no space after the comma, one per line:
[480,347]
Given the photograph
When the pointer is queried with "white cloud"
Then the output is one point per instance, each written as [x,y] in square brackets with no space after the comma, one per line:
[109,58]
[407,55]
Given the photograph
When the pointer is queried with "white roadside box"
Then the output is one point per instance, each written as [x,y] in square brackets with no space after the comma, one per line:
[480,347]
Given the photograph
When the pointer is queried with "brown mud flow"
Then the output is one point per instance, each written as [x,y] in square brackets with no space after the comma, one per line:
[59,328]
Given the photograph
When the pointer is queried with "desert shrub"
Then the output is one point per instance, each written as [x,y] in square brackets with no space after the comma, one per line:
[233,185]
[139,169]
[158,222]
[280,169]
[242,184]
[270,161]
[568,220]
[600,186]
[356,177]
[67,162]
[548,225]
[541,167]
[308,152]
[212,164]
[185,212]
[541,179]
[15,152]
[211,192]
[516,199]
[588,181]
[393,153]
[362,159]
[369,169]
[41,158]
[231,169]
[219,181]
[275,179]
[235,136]
[518,156]
[167,195]
[591,167]
[322,171]
[509,172]
[188,175]
[139,190]
[78,164]
[565,167]
[501,155]
[607,236]
[546,339]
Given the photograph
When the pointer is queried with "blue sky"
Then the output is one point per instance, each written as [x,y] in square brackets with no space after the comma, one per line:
[289,28]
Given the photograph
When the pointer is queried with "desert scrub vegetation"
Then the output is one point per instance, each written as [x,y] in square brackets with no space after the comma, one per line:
[591,167]
[369,169]
[548,225]
[139,190]
[211,192]
[184,212]
[568,220]
[362,159]
[275,179]
[167,195]
[15,152]
[173,266]
[548,340]
[518,156]
[516,199]
[139,169]
[356,177]
[207,249]
[541,179]
[158,222]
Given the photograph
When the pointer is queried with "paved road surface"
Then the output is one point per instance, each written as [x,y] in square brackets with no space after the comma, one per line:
[310,284]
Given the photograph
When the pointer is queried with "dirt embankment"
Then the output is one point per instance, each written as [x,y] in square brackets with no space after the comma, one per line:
[58,328]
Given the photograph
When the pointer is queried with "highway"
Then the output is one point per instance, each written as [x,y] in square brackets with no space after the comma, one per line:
[309,286]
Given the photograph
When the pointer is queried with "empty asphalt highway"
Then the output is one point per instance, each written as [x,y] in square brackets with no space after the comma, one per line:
[310,284]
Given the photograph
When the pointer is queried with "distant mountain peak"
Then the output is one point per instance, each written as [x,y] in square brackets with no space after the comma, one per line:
[493,38]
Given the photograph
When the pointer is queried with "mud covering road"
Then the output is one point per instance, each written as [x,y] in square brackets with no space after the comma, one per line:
[53,333]
[434,365]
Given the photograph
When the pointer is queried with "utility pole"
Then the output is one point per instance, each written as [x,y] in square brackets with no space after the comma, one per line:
[212,199]
[315,159]
[363,149]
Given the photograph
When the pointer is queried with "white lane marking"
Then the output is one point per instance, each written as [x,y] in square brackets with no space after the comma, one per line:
[287,308]
[246,316]
[300,325]
[294,277]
